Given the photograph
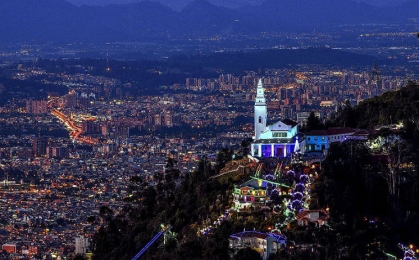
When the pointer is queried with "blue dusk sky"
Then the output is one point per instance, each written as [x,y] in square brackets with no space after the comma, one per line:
[179,4]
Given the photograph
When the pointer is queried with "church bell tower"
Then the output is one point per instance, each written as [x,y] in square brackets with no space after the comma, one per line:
[260,111]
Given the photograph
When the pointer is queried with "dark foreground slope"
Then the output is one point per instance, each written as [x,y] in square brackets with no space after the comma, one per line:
[372,202]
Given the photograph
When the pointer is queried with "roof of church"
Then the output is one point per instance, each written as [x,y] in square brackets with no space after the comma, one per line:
[332,131]
[289,122]
[275,141]
[278,126]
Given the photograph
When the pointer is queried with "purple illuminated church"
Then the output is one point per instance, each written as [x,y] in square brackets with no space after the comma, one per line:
[277,140]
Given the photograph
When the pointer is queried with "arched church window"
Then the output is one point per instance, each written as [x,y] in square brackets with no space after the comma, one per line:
[260,120]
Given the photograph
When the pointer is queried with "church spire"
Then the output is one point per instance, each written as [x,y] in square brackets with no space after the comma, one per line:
[260,94]
[260,110]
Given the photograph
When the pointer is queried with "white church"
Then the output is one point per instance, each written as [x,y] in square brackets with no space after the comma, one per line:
[280,139]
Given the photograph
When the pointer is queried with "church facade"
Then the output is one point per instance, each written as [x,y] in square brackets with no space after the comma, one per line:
[280,139]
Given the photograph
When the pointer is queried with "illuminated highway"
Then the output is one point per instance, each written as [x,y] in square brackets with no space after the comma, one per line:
[75,131]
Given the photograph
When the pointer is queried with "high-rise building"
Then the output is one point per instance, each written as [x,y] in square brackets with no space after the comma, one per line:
[60,152]
[37,107]
[118,130]
[122,130]
[40,146]
[84,102]
[168,119]
[105,129]
[82,244]
[157,120]
[71,100]
[286,111]
[90,127]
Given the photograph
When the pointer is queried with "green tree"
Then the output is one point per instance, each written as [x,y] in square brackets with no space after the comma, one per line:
[245,144]
[106,213]
[347,115]
[224,156]
[342,185]
[313,123]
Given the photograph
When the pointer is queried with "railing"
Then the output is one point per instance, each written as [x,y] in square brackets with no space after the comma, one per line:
[151,242]
[227,172]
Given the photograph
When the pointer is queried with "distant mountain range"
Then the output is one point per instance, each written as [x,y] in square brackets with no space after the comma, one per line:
[59,21]
[178,5]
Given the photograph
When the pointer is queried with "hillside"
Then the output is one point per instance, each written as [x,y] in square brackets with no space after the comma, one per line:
[393,107]
[370,199]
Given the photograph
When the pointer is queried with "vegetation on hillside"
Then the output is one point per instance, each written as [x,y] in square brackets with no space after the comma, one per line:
[372,196]
[372,199]
[390,108]
[183,207]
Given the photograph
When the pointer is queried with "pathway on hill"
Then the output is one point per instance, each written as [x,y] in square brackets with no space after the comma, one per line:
[290,208]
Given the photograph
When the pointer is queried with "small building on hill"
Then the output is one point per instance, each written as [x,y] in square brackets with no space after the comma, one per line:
[248,195]
[318,217]
[320,140]
[264,243]
[255,193]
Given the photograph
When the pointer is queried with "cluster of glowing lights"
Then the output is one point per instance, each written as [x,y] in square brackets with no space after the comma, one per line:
[410,252]
[75,131]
